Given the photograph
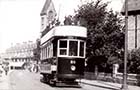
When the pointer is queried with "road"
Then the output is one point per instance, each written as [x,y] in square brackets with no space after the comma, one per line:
[25,80]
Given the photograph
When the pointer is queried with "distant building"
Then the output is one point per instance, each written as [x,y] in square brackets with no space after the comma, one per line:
[20,53]
[133,23]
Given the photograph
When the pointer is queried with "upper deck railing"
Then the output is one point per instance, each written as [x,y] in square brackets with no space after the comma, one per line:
[67,30]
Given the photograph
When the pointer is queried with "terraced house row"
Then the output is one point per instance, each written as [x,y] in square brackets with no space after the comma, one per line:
[19,54]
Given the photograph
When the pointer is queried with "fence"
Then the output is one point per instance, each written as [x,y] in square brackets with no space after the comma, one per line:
[132,79]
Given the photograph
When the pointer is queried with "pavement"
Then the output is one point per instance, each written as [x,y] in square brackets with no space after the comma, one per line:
[102,85]
[4,82]
[107,85]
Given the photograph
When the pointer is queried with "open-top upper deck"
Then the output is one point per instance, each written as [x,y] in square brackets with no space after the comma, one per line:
[77,31]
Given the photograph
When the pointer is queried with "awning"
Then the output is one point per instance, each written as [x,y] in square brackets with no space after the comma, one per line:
[16,64]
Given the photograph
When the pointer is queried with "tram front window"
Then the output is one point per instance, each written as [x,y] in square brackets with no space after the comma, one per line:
[63,52]
[81,51]
[63,44]
[63,47]
[73,48]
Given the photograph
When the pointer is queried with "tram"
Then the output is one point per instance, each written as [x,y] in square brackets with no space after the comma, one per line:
[63,55]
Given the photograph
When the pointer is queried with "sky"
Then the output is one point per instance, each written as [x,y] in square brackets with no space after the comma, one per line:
[20,19]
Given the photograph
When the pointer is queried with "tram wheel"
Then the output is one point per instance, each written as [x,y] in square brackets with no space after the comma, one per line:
[43,79]
[47,79]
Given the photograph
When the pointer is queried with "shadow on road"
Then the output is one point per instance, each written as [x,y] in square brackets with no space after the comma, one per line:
[61,86]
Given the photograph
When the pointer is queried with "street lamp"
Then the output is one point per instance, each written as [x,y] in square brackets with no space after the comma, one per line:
[124,86]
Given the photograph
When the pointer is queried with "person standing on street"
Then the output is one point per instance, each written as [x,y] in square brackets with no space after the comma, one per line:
[6,69]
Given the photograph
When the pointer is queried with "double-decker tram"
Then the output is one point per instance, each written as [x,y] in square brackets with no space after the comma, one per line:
[63,55]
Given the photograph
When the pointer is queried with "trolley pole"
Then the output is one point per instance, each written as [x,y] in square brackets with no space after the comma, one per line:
[124,85]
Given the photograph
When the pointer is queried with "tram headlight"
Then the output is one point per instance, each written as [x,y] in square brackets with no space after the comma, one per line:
[72,61]
[73,68]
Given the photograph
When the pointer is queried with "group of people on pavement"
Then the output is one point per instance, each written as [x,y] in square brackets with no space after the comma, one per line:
[33,68]
[4,69]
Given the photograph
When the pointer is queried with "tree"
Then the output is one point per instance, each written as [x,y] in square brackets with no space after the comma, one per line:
[68,20]
[134,61]
[105,36]
[36,51]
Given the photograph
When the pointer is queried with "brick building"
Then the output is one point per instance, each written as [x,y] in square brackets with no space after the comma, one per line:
[133,23]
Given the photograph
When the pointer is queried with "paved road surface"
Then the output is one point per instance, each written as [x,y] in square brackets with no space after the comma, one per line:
[4,85]
[24,80]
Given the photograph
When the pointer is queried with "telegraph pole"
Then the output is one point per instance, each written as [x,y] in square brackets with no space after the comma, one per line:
[124,86]
[136,31]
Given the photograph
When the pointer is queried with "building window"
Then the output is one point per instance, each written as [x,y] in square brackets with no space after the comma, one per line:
[50,16]
[42,21]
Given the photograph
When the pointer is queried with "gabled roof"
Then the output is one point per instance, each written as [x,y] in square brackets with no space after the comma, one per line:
[133,7]
[46,7]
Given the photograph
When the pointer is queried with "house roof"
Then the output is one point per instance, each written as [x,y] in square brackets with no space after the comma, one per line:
[133,7]
[46,6]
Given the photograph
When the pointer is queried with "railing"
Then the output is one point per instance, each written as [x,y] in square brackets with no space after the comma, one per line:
[133,79]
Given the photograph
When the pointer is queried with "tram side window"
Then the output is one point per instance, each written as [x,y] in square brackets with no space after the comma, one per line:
[46,52]
[49,52]
[81,51]
[41,54]
[73,48]
[63,47]
[55,48]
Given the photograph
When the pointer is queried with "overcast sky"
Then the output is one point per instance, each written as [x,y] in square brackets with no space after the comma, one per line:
[20,19]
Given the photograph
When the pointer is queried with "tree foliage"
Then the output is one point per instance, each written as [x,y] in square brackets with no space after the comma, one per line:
[36,51]
[105,36]
[134,61]
[68,20]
